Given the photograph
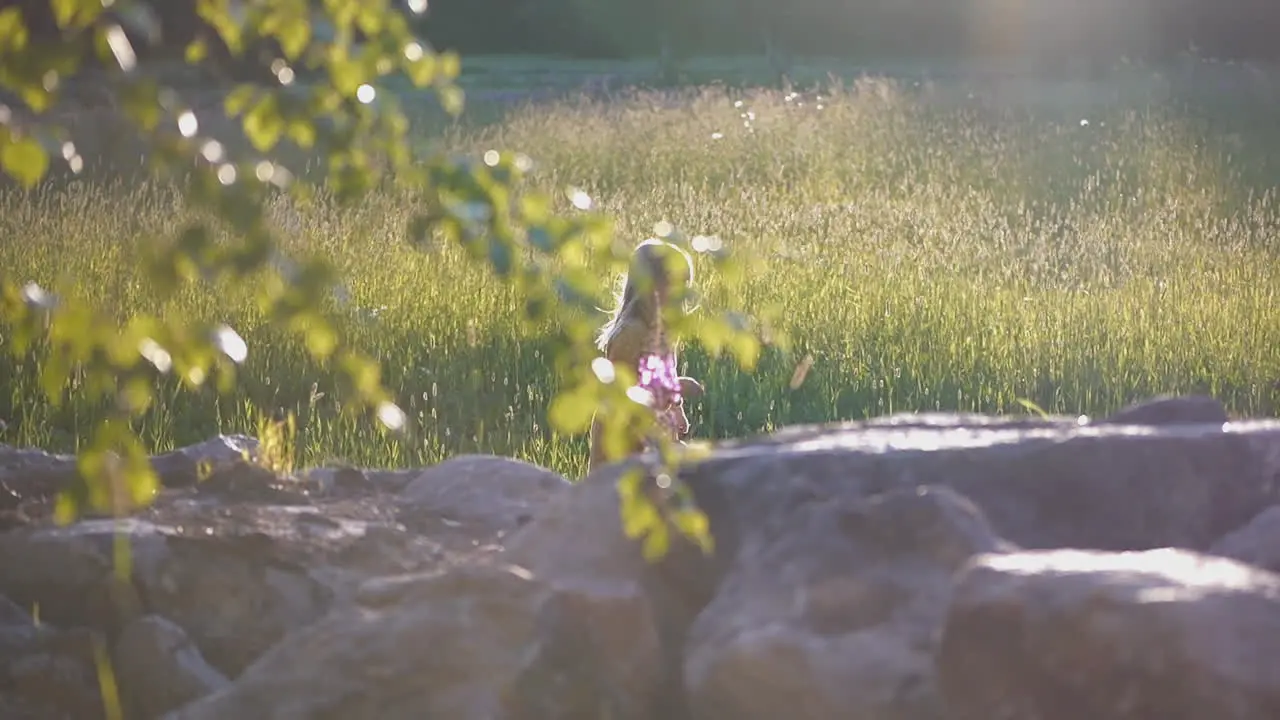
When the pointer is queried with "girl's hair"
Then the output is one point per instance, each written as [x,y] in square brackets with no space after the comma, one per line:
[650,262]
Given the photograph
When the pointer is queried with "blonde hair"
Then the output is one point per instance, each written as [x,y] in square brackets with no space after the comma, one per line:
[650,269]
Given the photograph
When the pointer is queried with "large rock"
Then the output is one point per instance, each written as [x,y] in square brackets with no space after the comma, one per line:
[159,668]
[831,606]
[36,474]
[242,559]
[438,645]
[484,495]
[45,671]
[1171,410]
[564,624]
[1257,543]
[489,587]
[235,592]
[831,572]
[1042,484]
[1067,634]
[611,630]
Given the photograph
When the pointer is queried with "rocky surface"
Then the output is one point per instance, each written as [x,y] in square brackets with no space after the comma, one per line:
[1257,543]
[915,567]
[1067,634]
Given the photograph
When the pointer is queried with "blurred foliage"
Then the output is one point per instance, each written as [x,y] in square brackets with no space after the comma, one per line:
[1036,32]
[345,113]
[1031,33]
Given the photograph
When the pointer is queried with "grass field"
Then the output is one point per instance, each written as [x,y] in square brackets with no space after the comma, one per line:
[931,254]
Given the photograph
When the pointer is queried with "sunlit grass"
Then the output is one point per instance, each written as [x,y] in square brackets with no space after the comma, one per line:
[929,255]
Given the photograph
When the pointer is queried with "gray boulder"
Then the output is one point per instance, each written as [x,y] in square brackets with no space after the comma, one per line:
[159,668]
[488,587]
[1066,634]
[1256,543]
[831,607]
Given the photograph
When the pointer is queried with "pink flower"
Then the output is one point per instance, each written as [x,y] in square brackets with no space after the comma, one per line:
[657,375]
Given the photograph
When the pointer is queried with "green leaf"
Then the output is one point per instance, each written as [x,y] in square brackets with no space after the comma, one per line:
[54,375]
[263,124]
[75,13]
[639,516]
[64,11]
[451,99]
[115,471]
[142,103]
[22,158]
[369,19]
[421,71]
[238,99]
[65,509]
[361,372]
[302,132]
[36,96]
[294,36]
[13,31]
[345,74]
[218,14]
[136,394]
[571,413]
[321,340]
[656,543]
[450,64]
[746,350]
[196,51]
[694,525]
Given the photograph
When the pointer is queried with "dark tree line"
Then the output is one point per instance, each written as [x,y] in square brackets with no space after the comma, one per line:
[1037,30]
[1139,29]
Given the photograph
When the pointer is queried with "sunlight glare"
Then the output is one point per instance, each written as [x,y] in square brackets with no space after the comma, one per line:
[580,199]
[156,355]
[640,396]
[390,415]
[706,243]
[187,124]
[284,74]
[603,369]
[212,151]
[73,158]
[121,48]
[35,295]
[229,342]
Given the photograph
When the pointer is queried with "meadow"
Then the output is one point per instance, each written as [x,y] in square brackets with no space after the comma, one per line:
[932,249]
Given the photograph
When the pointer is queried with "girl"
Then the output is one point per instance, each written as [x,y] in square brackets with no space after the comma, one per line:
[634,336]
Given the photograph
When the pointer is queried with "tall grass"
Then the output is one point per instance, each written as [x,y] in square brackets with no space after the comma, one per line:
[930,254]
